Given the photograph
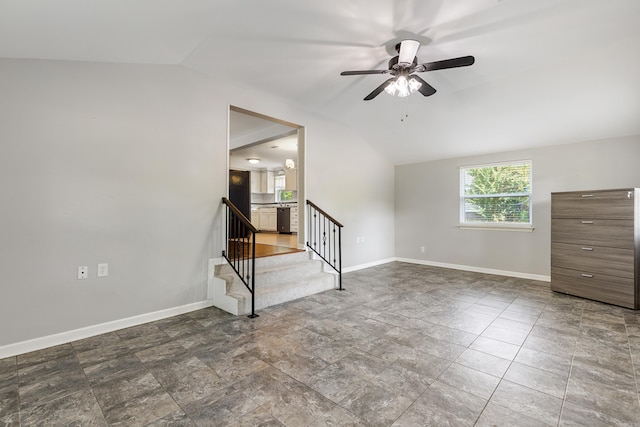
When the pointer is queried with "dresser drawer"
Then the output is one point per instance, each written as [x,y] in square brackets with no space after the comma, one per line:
[613,204]
[600,287]
[609,261]
[616,233]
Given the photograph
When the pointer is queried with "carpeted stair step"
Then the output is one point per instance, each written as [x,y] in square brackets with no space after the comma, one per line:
[279,279]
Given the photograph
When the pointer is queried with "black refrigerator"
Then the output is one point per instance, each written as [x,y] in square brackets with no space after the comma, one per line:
[240,195]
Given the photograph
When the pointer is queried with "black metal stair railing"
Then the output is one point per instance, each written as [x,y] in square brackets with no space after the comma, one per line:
[240,250]
[324,237]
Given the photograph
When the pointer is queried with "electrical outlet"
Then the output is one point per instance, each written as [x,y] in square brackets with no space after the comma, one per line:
[422,249]
[83,272]
[362,239]
[103,270]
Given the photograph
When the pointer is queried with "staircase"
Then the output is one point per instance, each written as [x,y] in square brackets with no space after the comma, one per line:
[278,279]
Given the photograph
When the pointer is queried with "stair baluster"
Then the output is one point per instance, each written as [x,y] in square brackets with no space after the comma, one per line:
[326,245]
[240,250]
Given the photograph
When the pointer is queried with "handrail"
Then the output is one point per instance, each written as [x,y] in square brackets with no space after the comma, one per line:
[240,250]
[316,207]
[319,222]
[237,212]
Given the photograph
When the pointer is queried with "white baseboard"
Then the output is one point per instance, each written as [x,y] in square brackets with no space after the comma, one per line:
[90,331]
[517,274]
[367,265]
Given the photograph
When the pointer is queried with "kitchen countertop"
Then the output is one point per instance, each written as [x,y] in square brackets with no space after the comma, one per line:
[255,206]
[275,204]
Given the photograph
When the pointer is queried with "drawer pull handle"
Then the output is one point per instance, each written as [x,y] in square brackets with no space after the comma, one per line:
[587,275]
[587,195]
[587,222]
[587,249]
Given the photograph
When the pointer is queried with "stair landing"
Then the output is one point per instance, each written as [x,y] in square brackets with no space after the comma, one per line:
[269,243]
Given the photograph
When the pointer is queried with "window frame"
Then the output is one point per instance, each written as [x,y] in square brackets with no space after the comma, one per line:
[509,226]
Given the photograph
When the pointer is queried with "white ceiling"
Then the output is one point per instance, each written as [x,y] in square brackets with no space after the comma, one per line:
[255,137]
[547,71]
[272,154]
[246,128]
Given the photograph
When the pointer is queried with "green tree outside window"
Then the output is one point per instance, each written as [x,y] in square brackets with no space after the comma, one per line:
[496,193]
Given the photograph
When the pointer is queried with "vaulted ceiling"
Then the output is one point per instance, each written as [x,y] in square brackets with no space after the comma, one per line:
[547,71]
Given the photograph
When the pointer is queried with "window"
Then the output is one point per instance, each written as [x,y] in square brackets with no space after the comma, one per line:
[496,195]
[283,195]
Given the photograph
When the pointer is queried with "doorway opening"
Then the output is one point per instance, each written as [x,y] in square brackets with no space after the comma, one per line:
[270,154]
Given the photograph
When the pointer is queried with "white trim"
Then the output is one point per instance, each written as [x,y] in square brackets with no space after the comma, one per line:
[217,290]
[367,265]
[22,347]
[462,171]
[90,331]
[520,162]
[475,269]
[527,228]
[538,277]
[217,261]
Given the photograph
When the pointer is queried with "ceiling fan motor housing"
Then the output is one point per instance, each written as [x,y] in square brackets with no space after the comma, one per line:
[394,66]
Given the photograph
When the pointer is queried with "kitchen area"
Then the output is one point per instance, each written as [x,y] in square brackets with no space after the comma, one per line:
[263,181]
[274,202]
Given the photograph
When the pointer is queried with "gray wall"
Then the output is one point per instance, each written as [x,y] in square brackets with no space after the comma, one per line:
[427,204]
[126,164]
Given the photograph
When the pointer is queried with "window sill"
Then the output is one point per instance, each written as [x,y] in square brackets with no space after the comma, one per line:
[527,228]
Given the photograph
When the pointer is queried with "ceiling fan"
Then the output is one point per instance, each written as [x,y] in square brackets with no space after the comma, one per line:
[402,67]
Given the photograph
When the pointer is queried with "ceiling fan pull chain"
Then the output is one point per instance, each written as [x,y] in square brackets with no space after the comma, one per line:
[404,109]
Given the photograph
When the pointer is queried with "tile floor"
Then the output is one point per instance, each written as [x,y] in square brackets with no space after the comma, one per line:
[404,345]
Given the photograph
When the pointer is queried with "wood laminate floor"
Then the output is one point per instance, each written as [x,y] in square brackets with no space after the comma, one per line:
[269,244]
[276,239]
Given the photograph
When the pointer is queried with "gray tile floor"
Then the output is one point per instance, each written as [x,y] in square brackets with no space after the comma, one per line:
[404,345]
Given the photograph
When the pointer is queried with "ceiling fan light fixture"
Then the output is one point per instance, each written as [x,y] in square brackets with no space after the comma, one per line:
[414,85]
[402,86]
[391,88]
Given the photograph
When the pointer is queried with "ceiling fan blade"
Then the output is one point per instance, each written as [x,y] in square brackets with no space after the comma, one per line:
[378,90]
[425,89]
[463,61]
[357,73]
[408,50]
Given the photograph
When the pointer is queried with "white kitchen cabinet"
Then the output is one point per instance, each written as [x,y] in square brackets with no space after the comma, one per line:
[268,219]
[291,179]
[256,182]
[255,218]
[268,182]
[293,219]
[262,182]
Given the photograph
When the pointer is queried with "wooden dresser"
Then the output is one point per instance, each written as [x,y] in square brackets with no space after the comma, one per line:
[595,243]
